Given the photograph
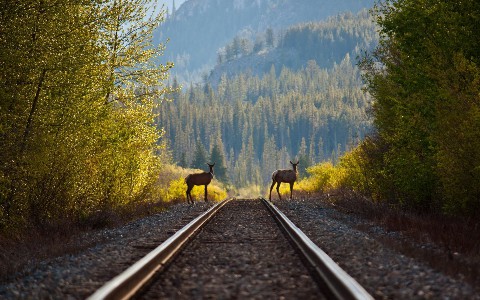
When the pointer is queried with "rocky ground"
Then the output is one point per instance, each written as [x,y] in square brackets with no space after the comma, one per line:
[364,250]
[371,255]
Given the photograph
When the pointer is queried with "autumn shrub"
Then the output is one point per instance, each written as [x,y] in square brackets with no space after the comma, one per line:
[323,177]
[172,185]
[178,187]
[284,190]
[354,171]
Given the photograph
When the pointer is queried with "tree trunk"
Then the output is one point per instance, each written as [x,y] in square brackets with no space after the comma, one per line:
[32,112]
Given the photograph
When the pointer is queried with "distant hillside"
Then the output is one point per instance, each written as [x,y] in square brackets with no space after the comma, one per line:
[326,42]
[200,27]
[261,122]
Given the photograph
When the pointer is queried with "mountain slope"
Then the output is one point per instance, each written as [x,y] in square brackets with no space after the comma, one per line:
[325,42]
[200,27]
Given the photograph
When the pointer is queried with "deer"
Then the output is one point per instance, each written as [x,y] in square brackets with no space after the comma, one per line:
[203,178]
[287,176]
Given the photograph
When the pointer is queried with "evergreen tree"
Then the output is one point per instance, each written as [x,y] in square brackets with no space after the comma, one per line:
[183,160]
[269,159]
[258,45]
[200,156]
[245,46]
[218,158]
[303,159]
[236,47]
[311,151]
[269,37]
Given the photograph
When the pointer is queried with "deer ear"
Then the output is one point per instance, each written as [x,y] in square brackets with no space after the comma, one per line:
[297,162]
[291,163]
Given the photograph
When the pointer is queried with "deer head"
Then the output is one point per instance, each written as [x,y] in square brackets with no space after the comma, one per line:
[294,165]
[211,167]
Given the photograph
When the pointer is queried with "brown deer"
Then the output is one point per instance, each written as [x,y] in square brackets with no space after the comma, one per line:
[287,176]
[199,179]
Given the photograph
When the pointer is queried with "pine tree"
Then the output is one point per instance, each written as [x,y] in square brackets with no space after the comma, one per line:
[269,37]
[199,157]
[183,160]
[311,151]
[218,158]
[303,159]
[269,159]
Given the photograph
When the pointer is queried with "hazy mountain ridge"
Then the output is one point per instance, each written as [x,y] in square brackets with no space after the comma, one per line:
[326,42]
[200,27]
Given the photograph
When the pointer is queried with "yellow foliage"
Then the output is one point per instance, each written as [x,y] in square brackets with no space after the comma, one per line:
[308,184]
[324,177]
[173,186]
[350,173]
[353,166]
[177,189]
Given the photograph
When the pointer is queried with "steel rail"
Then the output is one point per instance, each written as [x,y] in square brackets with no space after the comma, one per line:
[125,285]
[338,282]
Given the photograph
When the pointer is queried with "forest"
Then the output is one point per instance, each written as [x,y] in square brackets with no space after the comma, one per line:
[261,120]
[260,124]
[424,81]
[327,42]
[78,87]
[90,121]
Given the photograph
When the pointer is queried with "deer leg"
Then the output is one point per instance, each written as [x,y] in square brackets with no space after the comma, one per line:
[206,200]
[271,188]
[189,196]
[291,190]
[278,190]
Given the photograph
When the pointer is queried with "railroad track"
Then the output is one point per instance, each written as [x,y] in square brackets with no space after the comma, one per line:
[235,250]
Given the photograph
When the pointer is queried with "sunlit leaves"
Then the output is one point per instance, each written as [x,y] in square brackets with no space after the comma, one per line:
[426,103]
[78,87]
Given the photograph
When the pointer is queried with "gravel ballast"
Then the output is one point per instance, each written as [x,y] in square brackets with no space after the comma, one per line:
[383,271]
[78,276]
[240,253]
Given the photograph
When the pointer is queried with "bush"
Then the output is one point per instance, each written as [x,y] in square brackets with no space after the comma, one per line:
[323,178]
[178,187]
[173,186]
